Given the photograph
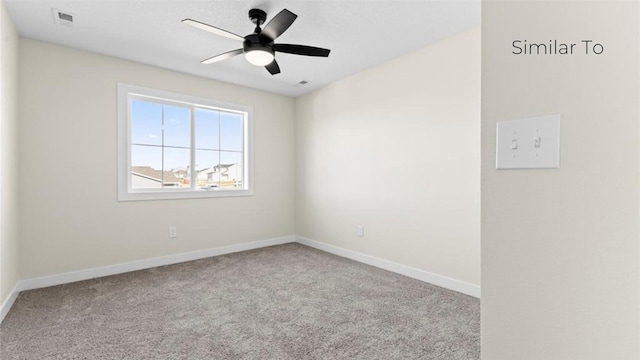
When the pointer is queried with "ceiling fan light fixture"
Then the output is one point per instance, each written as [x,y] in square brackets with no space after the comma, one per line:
[259,47]
[259,57]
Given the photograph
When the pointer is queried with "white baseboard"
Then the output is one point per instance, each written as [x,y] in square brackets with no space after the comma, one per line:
[8,302]
[422,275]
[65,278]
[69,277]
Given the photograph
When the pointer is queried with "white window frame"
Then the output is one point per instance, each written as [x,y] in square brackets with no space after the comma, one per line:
[126,93]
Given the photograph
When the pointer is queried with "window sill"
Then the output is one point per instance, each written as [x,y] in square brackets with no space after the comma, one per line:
[182,194]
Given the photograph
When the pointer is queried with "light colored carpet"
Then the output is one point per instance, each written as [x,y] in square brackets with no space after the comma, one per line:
[281,302]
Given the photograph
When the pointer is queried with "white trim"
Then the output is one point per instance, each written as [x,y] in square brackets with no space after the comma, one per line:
[422,275]
[8,302]
[69,277]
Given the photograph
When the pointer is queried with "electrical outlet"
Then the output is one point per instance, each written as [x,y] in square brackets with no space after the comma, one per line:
[360,230]
[173,232]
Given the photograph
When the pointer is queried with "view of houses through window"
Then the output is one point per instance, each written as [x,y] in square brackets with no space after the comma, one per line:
[174,146]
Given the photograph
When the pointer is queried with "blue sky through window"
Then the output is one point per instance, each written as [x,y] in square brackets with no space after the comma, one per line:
[218,136]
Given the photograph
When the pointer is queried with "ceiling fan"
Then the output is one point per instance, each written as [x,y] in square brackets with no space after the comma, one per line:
[259,48]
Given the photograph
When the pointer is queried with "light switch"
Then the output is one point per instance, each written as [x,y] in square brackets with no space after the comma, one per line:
[529,143]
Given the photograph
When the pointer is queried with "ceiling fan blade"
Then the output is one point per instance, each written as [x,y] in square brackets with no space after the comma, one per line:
[212,29]
[221,57]
[278,24]
[273,67]
[301,50]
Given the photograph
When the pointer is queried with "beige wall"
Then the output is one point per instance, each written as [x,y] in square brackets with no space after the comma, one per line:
[71,218]
[560,247]
[396,149]
[9,271]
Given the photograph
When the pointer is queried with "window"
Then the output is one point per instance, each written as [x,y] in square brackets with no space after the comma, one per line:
[173,146]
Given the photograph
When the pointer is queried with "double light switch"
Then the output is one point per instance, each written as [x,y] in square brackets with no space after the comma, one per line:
[529,143]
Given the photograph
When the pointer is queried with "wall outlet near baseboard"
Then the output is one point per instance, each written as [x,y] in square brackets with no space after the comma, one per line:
[360,230]
[173,232]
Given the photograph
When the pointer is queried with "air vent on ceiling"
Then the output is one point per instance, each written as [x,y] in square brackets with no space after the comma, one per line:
[62,18]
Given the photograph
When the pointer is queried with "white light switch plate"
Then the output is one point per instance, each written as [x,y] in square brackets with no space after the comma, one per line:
[529,143]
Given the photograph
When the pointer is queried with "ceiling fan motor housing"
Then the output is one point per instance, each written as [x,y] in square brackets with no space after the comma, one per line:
[254,42]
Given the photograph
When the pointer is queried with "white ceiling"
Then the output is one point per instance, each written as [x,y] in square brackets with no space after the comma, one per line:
[360,34]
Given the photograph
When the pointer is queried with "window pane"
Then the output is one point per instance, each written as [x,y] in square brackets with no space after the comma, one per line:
[146,123]
[176,143]
[231,174]
[207,129]
[146,167]
[230,131]
[176,126]
[176,166]
[207,165]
